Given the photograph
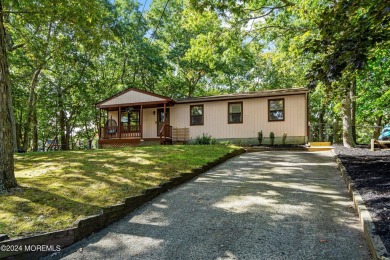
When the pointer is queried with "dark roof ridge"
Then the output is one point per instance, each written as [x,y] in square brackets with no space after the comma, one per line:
[245,94]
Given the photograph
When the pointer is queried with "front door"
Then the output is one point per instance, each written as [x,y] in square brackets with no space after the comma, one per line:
[160,119]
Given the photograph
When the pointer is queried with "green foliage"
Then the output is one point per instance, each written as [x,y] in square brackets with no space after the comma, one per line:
[260,137]
[226,142]
[89,50]
[205,139]
[272,138]
[213,141]
[284,138]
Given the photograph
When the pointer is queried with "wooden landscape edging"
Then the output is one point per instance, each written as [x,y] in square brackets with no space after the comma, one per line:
[30,247]
[374,241]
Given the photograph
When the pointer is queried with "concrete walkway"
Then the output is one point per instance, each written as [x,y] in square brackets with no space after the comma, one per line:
[265,205]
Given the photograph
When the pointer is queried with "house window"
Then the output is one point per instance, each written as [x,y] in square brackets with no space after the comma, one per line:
[197,117]
[276,109]
[130,118]
[235,112]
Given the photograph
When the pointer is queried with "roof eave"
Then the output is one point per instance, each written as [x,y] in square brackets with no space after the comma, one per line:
[243,96]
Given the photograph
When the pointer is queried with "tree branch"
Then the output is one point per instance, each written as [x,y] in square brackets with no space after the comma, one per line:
[256,17]
[21,12]
[296,29]
[266,7]
[15,47]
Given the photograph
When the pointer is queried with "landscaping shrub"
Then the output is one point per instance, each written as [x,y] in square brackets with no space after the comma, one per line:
[272,138]
[205,139]
[284,138]
[260,136]
[213,141]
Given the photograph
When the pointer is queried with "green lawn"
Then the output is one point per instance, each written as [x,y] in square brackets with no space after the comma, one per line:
[60,187]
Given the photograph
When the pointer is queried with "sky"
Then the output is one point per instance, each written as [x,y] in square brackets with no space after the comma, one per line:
[141,2]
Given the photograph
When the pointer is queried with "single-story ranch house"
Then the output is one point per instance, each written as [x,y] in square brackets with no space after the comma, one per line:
[134,116]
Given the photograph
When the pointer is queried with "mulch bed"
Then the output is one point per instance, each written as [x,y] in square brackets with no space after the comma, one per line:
[370,172]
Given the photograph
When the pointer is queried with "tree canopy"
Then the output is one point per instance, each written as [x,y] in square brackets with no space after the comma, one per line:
[59,58]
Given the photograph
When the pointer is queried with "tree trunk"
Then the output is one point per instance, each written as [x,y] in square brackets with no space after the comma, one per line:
[353,109]
[12,119]
[18,136]
[7,121]
[63,129]
[35,131]
[346,117]
[124,70]
[62,120]
[191,91]
[30,108]
[321,124]
[336,138]
[377,129]
[67,135]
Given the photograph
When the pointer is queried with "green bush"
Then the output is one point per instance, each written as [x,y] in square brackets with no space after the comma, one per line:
[284,138]
[260,136]
[205,139]
[272,138]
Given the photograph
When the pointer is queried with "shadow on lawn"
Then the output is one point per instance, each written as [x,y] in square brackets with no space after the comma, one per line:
[34,211]
[48,199]
[61,187]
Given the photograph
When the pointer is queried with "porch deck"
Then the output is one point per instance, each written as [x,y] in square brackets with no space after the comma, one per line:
[113,136]
[119,132]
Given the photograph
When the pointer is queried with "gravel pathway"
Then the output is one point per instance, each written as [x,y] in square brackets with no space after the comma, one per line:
[263,205]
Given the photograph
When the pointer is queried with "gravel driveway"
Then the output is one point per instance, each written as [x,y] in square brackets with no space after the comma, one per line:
[263,205]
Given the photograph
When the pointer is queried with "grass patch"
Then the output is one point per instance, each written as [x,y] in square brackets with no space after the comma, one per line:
[60,187]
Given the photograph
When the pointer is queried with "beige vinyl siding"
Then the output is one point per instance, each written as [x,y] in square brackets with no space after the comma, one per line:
[255,118]
[113,115]
[132,97]
[150,126]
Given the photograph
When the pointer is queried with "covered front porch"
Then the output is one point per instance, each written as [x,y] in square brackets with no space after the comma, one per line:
[122,123]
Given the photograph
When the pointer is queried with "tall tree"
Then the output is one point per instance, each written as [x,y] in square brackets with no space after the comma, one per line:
[348,31]
[50,37]
[7,176]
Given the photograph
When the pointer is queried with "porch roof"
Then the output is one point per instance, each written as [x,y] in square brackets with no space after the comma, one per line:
[134,97]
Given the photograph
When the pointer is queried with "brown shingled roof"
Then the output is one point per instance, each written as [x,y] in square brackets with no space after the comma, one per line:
[245,95]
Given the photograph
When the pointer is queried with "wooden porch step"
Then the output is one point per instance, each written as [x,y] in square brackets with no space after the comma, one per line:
[315,144]
[318,148]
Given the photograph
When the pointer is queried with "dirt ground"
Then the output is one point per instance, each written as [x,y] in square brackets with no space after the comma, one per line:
[370,171]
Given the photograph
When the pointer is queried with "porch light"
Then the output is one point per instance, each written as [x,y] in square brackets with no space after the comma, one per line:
[154,112]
